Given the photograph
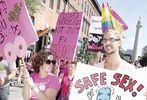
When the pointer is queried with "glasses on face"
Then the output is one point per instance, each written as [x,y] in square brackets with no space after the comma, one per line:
[110,40]
[51,61]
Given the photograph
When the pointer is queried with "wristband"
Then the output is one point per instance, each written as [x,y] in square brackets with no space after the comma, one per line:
[26,77]
[32,87]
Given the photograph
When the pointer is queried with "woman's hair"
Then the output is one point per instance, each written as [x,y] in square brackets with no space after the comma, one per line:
[39,60]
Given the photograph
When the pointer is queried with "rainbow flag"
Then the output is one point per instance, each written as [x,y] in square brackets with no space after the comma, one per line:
[111,20]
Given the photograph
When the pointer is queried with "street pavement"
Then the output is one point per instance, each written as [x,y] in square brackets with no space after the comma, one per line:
[15,93]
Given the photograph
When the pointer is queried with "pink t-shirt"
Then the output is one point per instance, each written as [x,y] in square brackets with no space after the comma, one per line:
[63,69]
[51,81]
[65,87]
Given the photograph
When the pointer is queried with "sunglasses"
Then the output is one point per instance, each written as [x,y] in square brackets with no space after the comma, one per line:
[51,61]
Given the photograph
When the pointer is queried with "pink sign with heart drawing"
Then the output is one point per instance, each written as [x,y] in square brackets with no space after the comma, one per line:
[15,21]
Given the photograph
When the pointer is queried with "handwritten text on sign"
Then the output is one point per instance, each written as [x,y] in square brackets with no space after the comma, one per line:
[15,21]
[66,34]
[122,81]
[8,29]
[92,83]
[95,42]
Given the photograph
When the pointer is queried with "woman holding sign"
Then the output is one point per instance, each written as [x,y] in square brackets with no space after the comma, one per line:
[42,84]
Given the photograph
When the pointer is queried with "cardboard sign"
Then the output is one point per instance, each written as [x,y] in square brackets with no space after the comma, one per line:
[93,83]
[15,21]
[66,35]
[95,34]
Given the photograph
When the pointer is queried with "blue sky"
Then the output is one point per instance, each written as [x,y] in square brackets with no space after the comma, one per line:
[130,10]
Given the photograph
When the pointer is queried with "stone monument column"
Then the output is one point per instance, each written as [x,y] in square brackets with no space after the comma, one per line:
[135,49]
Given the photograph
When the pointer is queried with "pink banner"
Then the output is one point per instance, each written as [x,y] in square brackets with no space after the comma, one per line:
[66,35]
[14,22]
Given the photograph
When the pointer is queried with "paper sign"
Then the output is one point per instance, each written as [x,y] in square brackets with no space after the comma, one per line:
[95,34]
[15,21]
[95,25]
[93,83]
[66,35]
[95,42]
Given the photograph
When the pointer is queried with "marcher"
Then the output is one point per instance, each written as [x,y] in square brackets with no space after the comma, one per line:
[29,63]
[67,79]
[43,84]
[7,72]
[112,42]
[63,69]
[19,64]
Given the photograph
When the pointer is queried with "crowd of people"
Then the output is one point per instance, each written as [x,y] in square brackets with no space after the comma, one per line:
[46,78]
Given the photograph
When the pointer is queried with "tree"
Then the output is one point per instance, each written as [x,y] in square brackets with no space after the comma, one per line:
[143,60]
[33,6]
[121,54]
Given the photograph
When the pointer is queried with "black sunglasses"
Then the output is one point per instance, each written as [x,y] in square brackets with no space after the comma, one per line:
[51,61]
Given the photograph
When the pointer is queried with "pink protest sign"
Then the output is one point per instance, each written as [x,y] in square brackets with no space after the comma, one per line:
[14,22]
[66,35]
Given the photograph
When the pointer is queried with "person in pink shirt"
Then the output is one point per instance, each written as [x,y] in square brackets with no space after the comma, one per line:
[62,69]
[67,80]
[42,84]
[29,63]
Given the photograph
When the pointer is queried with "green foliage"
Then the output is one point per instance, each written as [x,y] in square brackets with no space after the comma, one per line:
[143,60]
[90,56]
[33,6]
[86,56]
[121,54]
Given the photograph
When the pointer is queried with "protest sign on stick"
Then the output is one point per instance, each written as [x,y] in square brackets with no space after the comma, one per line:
[66,35]
[15,22]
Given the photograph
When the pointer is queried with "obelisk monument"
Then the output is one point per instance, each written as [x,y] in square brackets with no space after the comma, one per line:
[135,49]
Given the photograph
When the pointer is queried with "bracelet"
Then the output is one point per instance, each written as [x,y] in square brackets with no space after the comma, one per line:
[26,77]
[32,87]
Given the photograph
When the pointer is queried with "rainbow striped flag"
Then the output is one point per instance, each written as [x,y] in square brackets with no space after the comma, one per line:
[111,20]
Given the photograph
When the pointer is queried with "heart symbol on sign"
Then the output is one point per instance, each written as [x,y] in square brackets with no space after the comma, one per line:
[14,14]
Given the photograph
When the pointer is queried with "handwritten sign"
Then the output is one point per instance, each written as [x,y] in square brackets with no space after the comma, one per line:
[95,25]
[66,35]
[92,83]
[95,42]
[15,21]
[95,34]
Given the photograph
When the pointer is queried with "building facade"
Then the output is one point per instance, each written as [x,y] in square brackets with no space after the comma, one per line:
[48,14]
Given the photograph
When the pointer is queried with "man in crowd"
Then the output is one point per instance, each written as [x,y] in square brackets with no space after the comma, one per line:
[112,42]
[7,72]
